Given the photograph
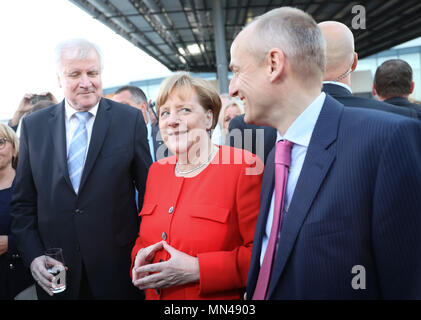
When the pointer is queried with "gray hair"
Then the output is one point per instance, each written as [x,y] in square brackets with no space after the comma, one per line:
[77,48]
[298,36]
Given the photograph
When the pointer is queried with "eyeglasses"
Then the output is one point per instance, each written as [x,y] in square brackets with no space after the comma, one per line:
[3,142]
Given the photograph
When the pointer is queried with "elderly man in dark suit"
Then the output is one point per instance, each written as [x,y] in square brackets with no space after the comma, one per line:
[341,60]
[80,161]
[393,83]
[340,210]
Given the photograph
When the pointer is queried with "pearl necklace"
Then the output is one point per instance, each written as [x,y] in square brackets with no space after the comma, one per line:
[178,171]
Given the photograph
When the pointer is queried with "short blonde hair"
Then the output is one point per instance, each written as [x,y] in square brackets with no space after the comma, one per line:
[10,135]
[207,94]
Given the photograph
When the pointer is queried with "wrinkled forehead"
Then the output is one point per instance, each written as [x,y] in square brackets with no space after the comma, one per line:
[76,58]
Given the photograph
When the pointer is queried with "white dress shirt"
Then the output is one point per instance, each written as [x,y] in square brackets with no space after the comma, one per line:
[299,133]
[72,122]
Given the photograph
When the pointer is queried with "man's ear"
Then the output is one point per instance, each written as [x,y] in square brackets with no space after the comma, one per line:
[412,87]
[276,63]
[354,64]
[143,105]
[373,90]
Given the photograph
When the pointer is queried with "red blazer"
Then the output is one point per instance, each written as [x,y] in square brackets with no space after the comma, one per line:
[211,216]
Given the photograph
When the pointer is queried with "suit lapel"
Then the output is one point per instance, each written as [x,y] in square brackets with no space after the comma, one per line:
[320,156]
[58,135]
[99,130]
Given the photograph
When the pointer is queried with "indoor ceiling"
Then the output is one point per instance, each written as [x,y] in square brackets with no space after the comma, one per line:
[180,33]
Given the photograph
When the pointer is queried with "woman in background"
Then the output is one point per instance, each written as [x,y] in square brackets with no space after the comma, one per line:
[14,277]
[234,107]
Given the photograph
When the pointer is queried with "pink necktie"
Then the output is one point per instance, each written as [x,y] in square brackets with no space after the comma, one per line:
[282,163]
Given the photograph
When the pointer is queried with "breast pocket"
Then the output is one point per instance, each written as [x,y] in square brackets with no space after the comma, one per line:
[149,223]
[208,225]
[147,209]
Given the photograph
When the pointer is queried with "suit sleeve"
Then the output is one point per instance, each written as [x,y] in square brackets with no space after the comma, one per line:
[227,270]
[24,226]
[396,225]
[143,158]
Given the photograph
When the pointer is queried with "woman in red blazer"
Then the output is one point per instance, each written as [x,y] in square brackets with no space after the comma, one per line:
[200,205]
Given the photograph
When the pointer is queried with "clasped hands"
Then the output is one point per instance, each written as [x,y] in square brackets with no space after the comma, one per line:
[180,269]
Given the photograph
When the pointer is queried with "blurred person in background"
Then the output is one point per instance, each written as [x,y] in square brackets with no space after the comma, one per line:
[196,234]
[341,61]
[393,83]
[136,98]
[229,110]
[14,276]
[26,105]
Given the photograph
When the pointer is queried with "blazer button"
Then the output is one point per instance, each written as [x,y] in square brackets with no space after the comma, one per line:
[11,266]
[78,211]
[171,210]
[164,236]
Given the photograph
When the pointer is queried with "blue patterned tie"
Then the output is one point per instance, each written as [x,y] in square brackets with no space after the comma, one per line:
[77,151]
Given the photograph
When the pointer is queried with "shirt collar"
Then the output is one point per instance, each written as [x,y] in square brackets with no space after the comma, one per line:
[347,87]
[70,111]
[302,128]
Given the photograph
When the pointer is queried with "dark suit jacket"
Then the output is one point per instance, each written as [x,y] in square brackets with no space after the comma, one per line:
[14,276]
[160,149]
[356,203]
[259,140]
[346,98]
[404,102]
[99,225]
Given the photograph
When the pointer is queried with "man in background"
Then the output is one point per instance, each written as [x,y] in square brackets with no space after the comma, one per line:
[136,98]
[393,84]
[341,60]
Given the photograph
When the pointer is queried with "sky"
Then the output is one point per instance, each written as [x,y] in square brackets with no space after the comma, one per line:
[31,29]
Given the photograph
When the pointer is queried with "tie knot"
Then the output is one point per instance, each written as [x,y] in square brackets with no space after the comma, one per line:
[83,116]
[283,152]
